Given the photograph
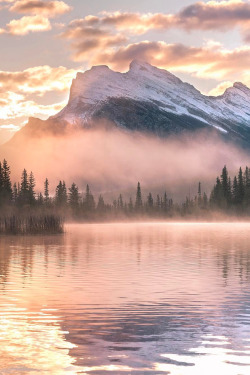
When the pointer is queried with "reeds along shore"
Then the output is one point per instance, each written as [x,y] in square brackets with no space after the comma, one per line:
[44,224]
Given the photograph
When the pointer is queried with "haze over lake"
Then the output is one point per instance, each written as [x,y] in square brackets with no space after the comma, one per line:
[127,299]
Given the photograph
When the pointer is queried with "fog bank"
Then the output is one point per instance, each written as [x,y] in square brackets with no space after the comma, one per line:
[112,160]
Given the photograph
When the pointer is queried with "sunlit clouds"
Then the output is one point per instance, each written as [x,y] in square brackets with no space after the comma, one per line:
[44,8]
[10,127]
[116,38]
[36,16]
[220,16]
[14,106]
[221,88]
[208,61]
[27,24]
[15,110]
[20,92]
[16,88]
[39,80]
[212,15]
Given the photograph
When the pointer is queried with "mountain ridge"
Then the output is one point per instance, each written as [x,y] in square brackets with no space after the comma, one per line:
[147,98]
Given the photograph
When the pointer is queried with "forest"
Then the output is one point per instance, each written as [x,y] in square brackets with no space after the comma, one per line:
[230,196]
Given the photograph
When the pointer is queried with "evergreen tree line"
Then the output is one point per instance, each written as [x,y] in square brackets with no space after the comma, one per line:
[227,196]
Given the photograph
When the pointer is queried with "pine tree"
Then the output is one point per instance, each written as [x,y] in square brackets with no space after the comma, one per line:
[32,185]
[226,190]
[101,204]
[165,202]
[24,196]
[74,197]
[247,187]
[235,190]
[241,189]
[46,191]
[61,195]
[205,200]
[89,202]
[120,202]
[199,195]
[150,202]
[40,199]
[230,197]
[5,183]
[138,200]
[15,193]
[217,197]
[158,203]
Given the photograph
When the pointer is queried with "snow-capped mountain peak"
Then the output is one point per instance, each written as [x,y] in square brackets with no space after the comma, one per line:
[153,99]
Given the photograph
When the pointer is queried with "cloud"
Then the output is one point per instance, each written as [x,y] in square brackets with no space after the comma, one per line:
[43,8]
[88,37]
[13,106]
[19,91]
[211,60]
[10,127]
[38,80]
[115,39]
[26,24]
[37,14]
[220,89]
[7,131]
[213,15]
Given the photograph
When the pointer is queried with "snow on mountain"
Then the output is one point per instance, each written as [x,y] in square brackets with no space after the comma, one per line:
[98,93]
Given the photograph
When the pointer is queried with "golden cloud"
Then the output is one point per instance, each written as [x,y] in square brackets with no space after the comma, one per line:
[10,127]
[27,24]
[208,61]
[106,39]
[37,80]
[220,89]
[13,106]
[87,36]
[43,8]
[18,91]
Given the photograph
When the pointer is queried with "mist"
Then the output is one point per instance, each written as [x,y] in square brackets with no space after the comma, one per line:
[113,161]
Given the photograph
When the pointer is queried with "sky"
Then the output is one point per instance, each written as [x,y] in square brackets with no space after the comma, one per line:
[43,44]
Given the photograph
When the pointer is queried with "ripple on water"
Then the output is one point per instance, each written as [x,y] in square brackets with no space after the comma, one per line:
[132,298]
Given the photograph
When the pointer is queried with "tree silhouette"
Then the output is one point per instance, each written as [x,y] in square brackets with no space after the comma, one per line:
[74,197]
[138,200]
[46,191]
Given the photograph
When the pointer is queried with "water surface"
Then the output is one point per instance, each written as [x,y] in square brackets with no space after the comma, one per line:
[127,299]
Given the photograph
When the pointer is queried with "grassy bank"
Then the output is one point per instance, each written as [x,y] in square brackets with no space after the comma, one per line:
[31,224]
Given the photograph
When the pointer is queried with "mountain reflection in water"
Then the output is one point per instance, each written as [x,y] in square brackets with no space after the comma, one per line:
[149,298]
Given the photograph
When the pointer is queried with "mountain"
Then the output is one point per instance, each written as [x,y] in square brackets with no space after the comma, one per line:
[149,99]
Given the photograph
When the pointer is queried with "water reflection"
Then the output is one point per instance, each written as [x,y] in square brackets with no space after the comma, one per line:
[213,356]
[32,342]
[141,298]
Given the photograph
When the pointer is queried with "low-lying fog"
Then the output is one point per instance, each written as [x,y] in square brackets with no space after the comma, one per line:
[114,161]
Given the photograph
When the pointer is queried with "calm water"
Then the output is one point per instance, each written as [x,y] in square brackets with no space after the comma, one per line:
[127,299]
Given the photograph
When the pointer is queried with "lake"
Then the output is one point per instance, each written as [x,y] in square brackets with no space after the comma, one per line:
[146,298]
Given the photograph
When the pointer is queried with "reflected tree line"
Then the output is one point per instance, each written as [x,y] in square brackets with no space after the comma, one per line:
[229,196]
[231,258]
